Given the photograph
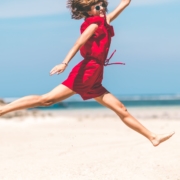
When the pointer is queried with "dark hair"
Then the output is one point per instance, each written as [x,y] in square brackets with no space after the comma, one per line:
[79,8]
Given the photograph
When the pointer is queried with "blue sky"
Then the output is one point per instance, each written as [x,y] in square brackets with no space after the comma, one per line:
[36,35]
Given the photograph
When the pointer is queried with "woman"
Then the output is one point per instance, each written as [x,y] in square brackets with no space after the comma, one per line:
[86,77]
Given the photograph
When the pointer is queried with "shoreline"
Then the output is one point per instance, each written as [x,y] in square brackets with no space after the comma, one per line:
[143,113]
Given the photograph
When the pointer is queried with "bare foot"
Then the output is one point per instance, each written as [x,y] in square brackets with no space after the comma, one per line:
[159,138]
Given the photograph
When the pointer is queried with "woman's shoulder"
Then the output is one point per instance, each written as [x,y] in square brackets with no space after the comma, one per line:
[95,19]
[92,20]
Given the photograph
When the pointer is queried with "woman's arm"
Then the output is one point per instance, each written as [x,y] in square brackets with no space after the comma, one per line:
[90,30]
[123,4]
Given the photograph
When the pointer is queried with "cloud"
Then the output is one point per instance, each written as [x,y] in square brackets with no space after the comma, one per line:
[150,2]
[29,8]
[143,2]
[113,3]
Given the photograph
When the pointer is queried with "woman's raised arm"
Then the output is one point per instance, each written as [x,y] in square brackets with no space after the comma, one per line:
[80,42]
[89,31]
[114,14]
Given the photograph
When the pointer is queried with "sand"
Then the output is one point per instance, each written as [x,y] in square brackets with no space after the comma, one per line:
[89,145]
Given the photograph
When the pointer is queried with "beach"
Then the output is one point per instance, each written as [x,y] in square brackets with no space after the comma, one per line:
[88,144]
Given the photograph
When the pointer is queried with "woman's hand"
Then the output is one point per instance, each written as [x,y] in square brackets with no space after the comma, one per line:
[58,69]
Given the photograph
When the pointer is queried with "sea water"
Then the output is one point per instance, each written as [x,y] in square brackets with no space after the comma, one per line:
[128,100]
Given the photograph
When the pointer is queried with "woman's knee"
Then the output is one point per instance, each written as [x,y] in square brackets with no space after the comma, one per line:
[124,107]
[121,111]
[46,100]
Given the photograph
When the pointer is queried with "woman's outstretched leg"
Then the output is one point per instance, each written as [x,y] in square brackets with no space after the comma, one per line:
[113,103]
[58,94]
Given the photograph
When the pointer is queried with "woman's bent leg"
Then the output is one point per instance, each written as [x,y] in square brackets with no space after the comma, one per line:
[58,94]
[113,103]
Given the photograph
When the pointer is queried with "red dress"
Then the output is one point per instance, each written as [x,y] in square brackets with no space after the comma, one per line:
[86,77]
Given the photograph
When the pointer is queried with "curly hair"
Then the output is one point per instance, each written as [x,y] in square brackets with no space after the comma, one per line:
[79,8]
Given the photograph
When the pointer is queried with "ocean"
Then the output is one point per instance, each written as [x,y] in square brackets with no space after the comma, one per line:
[129,101]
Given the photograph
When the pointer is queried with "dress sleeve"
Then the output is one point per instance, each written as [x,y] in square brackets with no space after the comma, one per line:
[93,20]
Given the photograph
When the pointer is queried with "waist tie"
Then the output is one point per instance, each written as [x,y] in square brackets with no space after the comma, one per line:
[107,61]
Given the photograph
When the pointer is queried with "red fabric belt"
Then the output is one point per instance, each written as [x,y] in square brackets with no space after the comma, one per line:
[107,61]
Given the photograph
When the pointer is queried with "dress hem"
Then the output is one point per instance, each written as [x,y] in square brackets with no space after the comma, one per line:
[82,95]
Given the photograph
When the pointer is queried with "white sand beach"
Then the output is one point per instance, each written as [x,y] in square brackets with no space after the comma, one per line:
[89,144]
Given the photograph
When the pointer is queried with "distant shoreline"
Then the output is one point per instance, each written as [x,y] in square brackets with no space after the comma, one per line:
[129,101]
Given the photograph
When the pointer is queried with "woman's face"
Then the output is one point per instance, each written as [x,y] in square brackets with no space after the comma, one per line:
[97,10]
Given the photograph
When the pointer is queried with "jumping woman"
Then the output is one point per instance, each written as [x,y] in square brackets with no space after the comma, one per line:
[86,77]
